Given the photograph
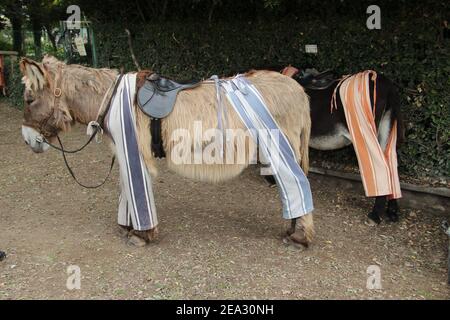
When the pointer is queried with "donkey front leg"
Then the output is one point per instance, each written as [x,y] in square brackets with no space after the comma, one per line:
[137,226]
[141,238]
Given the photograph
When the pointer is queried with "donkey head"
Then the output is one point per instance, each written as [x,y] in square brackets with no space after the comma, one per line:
[46,111]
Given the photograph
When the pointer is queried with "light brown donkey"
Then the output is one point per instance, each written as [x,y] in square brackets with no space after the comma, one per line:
[79,92]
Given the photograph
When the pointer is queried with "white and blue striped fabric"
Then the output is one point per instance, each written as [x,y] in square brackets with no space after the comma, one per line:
[292,183]
[136,204]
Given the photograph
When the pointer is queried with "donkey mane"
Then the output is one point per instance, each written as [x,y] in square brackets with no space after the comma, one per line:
[77,79]
[82,87]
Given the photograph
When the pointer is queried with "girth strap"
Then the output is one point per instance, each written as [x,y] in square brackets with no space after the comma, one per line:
[157,143]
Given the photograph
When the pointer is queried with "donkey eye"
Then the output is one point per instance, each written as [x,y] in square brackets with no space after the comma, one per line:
[29,97]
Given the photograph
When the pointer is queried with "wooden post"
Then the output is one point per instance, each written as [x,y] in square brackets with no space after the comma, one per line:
[13,57]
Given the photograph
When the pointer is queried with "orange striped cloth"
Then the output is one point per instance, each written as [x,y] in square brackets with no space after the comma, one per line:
[378,168]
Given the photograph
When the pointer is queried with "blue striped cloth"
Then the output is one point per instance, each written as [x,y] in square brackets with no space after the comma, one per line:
[292,183]
[136,203]
[137,206]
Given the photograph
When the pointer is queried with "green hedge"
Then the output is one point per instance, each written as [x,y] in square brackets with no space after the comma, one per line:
[410,53]
[14,84]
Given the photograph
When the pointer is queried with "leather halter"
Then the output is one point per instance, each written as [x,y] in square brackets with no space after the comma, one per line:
[57,92]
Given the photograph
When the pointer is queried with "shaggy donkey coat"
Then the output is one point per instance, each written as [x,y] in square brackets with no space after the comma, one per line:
[83,90]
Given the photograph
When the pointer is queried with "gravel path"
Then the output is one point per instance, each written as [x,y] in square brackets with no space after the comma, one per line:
[217,241]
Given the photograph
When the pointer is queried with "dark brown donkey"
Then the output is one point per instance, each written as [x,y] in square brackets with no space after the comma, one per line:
[329,131]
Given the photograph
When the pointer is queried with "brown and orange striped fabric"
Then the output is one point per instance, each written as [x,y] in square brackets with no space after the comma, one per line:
[378,167]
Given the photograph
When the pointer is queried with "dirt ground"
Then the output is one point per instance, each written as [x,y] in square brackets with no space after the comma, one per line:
[216,241]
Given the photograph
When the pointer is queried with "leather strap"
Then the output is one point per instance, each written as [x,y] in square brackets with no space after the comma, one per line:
[113,159]
[101,117]
[57,91]
[157,143]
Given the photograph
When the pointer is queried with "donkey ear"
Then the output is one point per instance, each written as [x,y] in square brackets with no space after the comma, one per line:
[290,71]
[33,72]
[50,63]
[50,66]
[49,59]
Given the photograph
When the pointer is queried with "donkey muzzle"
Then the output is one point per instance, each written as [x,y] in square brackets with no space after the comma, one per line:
[34,139]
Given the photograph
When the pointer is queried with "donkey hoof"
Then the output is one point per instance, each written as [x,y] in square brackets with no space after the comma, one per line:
[393,216]
[123,231]
[392,211]
[375,217]
[2,256]
[136,241]
[290,232]
[270,180]
[152,234]
[141,238]
[297,239]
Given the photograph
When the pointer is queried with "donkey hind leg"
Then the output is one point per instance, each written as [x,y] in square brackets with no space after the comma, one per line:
[291,230]
[378,209]
[392,210]
[303,234]
[383,135]
[270,180]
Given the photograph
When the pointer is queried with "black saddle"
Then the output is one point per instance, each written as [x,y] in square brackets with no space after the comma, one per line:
[158,95]
[311,79]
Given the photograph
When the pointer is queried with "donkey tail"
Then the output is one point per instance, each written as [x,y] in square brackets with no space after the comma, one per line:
[393,102]
[304,144]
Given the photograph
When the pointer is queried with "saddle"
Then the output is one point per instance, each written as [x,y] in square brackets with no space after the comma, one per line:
[314,80]
[156,97]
